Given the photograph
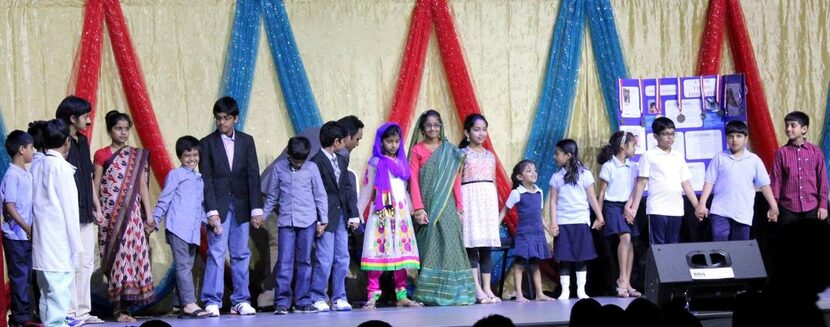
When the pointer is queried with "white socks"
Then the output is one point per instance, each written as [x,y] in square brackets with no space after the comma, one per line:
[581,279]
[565,281]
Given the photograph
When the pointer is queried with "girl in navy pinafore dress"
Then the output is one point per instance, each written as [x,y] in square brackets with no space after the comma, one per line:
[530,244]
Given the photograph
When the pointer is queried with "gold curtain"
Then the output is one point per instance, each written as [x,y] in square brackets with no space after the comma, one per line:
[352,51]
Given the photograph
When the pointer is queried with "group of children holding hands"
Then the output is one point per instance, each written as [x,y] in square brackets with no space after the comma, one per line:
[318,202]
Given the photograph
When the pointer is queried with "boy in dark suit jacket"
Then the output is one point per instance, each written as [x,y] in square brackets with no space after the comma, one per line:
[230,171]
[333,246]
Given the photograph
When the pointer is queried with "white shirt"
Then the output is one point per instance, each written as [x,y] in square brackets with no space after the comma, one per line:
[56,233]
[572,202]
[620,177]
[516,195]
[666,171]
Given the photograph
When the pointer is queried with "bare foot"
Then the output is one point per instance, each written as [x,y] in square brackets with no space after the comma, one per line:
[521,299]
[409,303]
[123,317]
[543,297]
[493,297]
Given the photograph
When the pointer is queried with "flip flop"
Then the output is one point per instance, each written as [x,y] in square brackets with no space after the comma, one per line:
[495,299]
[198,314]
[485,300]
[633,292]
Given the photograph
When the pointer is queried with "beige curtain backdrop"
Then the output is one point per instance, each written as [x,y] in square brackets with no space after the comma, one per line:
[352,52]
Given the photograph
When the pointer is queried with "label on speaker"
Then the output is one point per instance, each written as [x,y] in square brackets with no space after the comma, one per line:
[712,273]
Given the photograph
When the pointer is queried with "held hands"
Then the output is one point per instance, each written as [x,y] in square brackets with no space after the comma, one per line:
[256,221]
[215,224]
[149,225]
[629,215]
[598,223]
[553,229]
[421,217]
[772,214]
[321,228]
[701,211]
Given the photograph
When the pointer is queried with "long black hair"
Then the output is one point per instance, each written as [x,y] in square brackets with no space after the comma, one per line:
[615,144]
[469,122]
[574,167]
[518,169]
[422,120]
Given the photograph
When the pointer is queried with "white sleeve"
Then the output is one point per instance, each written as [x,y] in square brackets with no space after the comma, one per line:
[513,199]
[644,166]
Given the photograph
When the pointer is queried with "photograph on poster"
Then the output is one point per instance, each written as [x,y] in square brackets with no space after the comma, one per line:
[733,100]
[631,102]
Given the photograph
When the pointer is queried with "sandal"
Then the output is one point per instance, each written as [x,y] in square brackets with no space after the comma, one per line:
[407,303]
[633,292]
[622,292]
[197,314]
[370,305]
[485,300]
[495,299]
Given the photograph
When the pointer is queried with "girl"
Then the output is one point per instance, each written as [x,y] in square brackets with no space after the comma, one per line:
[121,174]
[480,201]
[616,180]
[389,243]
[571,192]
[530,244]
[445,277]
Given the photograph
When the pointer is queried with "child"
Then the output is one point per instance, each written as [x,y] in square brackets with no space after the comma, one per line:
[74,111]
[616,180]
[481,203]
[16,195]
[571,192]
[333,245]
[56,241]
[181,202]
[297,188]
[530,245]
[230,169]
[667,176]
[799,177]
[733,176]
[389,243]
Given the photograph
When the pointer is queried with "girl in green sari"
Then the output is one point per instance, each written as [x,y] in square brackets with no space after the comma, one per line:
[445,277]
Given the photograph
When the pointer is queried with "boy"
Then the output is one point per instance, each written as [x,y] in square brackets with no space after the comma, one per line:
[16,195]
[733,176]
[296,186]
[332,246]
[230,170]
[57,250]
[799,176]
[667,176]
[181,202]
[74,112]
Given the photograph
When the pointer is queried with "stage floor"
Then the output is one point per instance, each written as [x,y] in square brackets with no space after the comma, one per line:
[554,313]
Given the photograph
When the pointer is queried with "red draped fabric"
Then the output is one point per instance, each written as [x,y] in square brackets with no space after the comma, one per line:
[426,13]
[88,70]
[728,13]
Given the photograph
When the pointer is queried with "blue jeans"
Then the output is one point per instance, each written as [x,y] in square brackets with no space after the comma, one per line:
[234,237]
[332,260]
[727,229]
[19,267]
[294,249]
[664,229]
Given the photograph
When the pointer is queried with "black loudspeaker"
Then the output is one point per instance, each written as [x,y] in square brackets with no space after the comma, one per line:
[707,276]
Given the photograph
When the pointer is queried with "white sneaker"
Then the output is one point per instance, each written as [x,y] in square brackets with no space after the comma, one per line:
[341,305]
[213,310]
[322,306]
[243,309]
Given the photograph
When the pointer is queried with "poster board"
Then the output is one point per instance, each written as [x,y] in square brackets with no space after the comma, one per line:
[700,107]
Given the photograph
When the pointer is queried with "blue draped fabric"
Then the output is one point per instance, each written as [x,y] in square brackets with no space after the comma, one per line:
[302,108]
[607,54]
[240,59]
[240,63]
[5,160]
[553,114]
[825,136]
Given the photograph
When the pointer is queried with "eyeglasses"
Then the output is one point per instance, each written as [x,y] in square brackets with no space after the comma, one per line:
[668,134]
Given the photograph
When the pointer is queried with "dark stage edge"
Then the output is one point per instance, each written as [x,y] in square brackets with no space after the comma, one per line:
[554,313]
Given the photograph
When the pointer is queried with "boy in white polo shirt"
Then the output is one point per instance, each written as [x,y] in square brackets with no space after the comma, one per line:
[733,176]
[668,177]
